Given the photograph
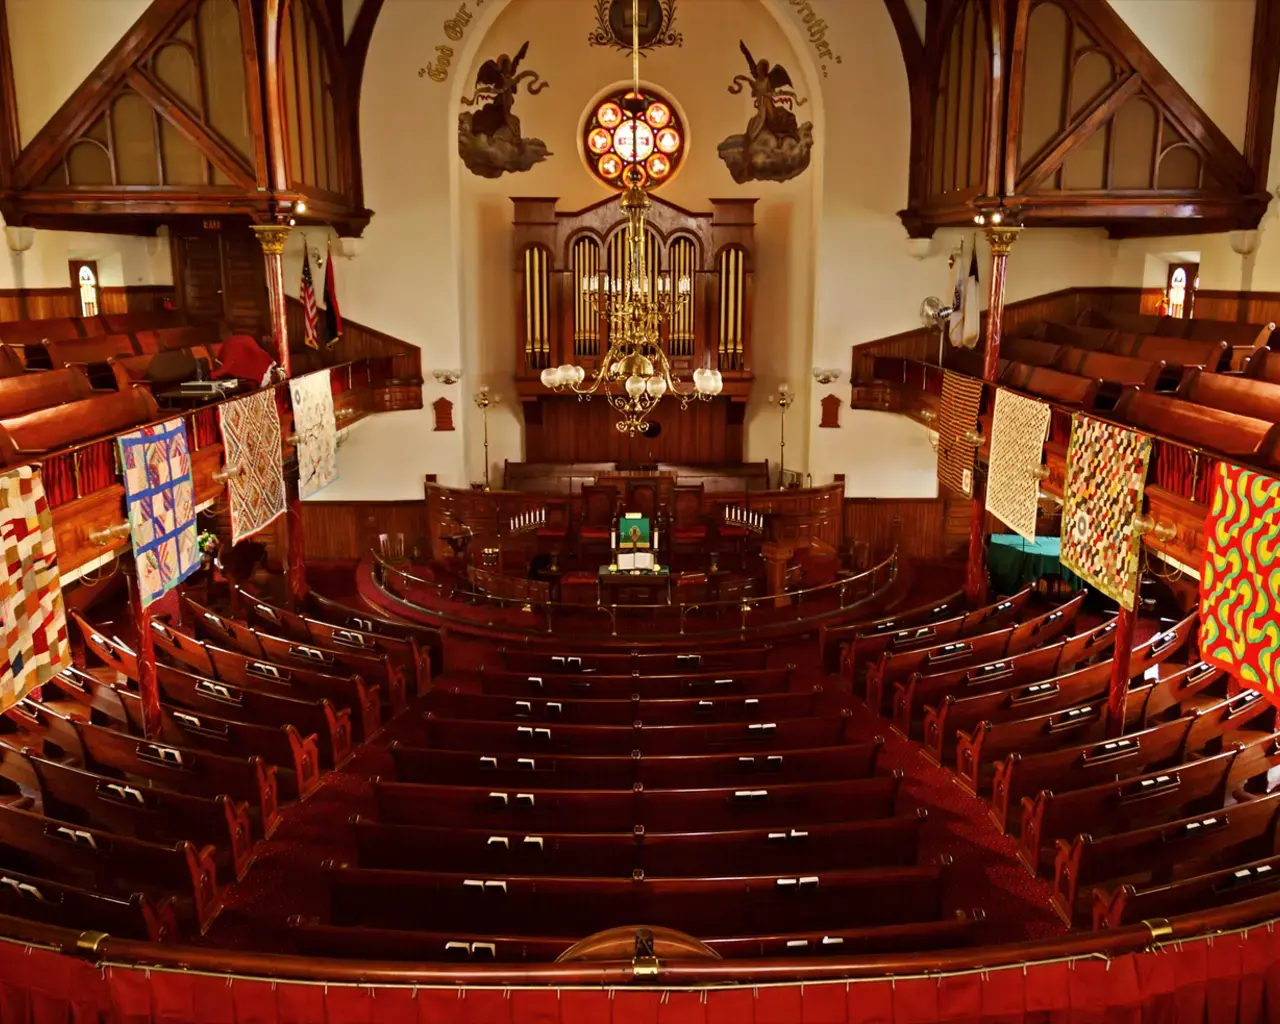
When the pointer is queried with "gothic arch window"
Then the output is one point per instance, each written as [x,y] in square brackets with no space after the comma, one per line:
[628,137]
[84,277]
[1180,295]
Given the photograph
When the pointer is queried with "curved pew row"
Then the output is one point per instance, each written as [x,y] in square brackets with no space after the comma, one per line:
[835,641]
[366,664]
[910,698]
[628,663]
[562,685]
[429,639]
[185,692]
[1129,904]
[897,666]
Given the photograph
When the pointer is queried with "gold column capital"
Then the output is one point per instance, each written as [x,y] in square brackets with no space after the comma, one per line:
[1000,237]
[272,237]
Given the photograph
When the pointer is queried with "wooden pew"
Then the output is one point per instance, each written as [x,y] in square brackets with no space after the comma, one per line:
[1225,432]
[179,769]
[1130,904]
[137,916]
[11,363]
[1030,352]
[453,703]
[429,639]
[1157,852]
[141,812]
[508,737]
[1243,396]
[864,650]
[554,662]
[295,757]
[349,692]
[834,641]
[1085,764]
[314,939]
[368,665]
[30,392]
[25,438]
[32,332]
[1198,784]
[1264,365]
[1055,385]
[96,349]
[977,753]
[1097,339]
[895,666]
[309,717]
[146,370]
[570,686]
[108,863]
[157,339]
[1114,371]
[920,690]
[581,906]
[468,768]
[1230,331]
[140,320]
[1211,354]
[413,661]
[877,842]
[660,810]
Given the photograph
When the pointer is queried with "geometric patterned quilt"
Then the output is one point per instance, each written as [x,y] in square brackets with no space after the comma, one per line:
[1106,479]
[33,621]
[317,430]
[1018,430]
[251,442]
[1240,578]
[162,506]
[957,415]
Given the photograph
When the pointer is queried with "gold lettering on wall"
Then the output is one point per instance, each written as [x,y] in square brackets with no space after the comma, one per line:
[454,29]
[815,29]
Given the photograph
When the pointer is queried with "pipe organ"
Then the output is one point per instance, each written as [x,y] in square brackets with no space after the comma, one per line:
[556,252]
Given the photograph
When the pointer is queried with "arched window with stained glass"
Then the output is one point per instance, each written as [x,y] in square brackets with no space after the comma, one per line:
[629,137]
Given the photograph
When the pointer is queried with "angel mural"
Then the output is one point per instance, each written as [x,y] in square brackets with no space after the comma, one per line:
[775,146]
[489,139]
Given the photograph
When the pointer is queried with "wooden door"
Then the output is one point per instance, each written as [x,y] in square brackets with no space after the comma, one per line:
[200,270]
[244,283]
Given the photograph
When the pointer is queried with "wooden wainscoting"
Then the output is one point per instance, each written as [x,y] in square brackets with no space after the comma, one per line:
[48,303]
[919,527]
[347,530]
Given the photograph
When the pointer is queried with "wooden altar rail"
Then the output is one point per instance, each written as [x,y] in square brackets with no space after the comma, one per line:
[569,477]
[1148,942]
[90,496]
[1179,475]
[761,615]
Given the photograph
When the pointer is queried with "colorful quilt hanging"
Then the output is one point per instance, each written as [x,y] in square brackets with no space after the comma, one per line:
[162,506]
[252,449]
[317,430]
[1106,479]
[1240,578]
[957,415]
[33,621]
[1018,430]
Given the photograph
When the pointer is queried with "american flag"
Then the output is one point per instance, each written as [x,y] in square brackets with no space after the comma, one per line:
[308,297]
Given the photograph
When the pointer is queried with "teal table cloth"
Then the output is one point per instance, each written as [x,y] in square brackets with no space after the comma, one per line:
[1016,562]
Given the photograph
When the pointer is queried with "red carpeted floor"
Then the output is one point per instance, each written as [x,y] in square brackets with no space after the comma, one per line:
[286,879]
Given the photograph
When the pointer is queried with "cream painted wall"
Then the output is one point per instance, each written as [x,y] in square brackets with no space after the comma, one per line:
[1206,45]
[56,44]
[122,260]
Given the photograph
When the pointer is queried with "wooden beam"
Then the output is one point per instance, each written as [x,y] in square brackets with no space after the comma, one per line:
[1017,77]
[1099,113]
[1263,78]
[214,151]
[356,53]
[88,101]
[997,112]
[277,167]
[253,91]
[1227,162]
[10,136]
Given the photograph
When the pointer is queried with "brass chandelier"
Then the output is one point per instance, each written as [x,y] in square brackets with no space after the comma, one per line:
[635,373]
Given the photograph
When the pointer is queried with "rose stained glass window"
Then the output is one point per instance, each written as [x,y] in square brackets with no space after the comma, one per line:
[630,138]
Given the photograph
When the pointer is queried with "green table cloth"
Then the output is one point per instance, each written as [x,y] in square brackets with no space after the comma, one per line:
[1016,562]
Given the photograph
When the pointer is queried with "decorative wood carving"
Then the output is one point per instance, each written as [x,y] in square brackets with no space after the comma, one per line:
[830,411]
[443,410]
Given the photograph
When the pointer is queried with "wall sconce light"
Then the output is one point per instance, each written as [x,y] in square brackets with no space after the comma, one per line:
[20,239]
[825,376]
[221,476]
[447,376]
[350,248]
[1039,473]
[109,534]
[918,248]
[345,415]
[929,416]
[1145,524]
[974,437]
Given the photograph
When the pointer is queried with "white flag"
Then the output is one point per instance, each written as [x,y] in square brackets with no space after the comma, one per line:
[955,322]
[969,339]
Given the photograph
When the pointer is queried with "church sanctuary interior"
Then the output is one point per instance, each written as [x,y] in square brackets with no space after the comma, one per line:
[639,512]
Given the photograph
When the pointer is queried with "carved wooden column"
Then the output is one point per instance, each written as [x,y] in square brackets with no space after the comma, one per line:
[272,238]
[1000,238]
[295,558]
[1118,696]
[777,556]
[148,688]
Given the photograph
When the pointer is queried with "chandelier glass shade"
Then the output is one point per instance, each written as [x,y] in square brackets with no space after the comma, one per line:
[635,374]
